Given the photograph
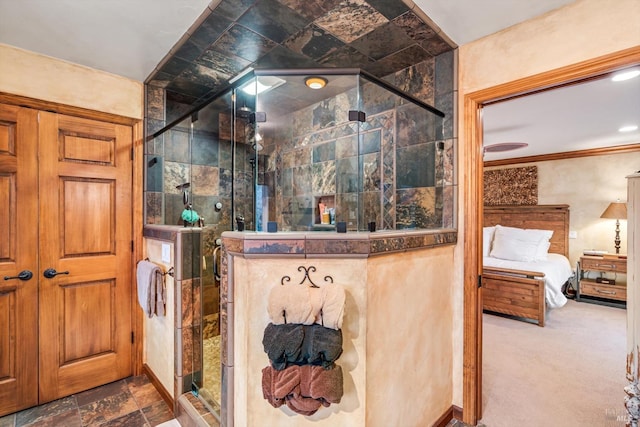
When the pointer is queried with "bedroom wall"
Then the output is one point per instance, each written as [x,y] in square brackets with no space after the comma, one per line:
[41,77]
[580,31]
[573,182]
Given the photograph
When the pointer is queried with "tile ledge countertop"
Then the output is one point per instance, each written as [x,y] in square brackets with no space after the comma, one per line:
[332,244]
[332,235]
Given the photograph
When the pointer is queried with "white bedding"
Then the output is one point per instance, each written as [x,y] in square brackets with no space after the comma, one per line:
[556,268]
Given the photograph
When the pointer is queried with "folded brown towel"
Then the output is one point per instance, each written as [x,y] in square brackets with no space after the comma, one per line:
[324,385]
[302,388]
[290,344]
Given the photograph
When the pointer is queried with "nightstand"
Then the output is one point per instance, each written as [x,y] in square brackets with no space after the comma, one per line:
[599,280]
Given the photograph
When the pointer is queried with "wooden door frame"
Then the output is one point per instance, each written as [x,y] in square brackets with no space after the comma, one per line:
[473,195]
[136,196]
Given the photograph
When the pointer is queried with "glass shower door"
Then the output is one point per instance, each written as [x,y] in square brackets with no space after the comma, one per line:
[212,156]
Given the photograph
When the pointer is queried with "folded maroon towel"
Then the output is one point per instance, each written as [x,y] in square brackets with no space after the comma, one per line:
[324,385]
[304,389]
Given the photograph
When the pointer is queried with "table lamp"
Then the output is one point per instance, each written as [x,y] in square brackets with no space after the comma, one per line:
[616,210]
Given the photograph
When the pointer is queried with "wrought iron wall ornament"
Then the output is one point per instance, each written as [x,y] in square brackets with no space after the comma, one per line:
[306,277]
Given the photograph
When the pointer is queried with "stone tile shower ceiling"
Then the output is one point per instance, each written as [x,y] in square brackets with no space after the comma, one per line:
[378,36]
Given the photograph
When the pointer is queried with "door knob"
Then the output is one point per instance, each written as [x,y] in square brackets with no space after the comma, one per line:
[50,273]
[23,275]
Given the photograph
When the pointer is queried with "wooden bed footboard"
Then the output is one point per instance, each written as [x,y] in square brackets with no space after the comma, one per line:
[514,292]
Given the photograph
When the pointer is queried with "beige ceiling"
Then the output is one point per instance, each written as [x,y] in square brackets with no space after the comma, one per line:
[571,118]
[131,37]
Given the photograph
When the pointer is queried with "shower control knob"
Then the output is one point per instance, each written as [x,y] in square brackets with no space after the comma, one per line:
[218,205]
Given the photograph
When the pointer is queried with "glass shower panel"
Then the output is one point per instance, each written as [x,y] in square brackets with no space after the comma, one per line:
[244,156]
[307,166]
[399,152]
[211,183]
[177,172]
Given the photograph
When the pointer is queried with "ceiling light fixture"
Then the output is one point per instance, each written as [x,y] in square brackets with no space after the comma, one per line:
[629,128]
[315,82]
[504,146]
[261,85]
[625,75]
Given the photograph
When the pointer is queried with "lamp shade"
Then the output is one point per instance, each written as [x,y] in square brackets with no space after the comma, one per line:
[615,210]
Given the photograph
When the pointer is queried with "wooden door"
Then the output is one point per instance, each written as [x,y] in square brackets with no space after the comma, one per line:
[85,173]
[18,253]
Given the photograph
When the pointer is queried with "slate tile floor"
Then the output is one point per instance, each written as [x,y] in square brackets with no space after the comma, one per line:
[131,402]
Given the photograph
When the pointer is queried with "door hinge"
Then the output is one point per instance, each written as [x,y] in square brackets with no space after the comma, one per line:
[132,246]
[479,280]
[132,153]
[131,337]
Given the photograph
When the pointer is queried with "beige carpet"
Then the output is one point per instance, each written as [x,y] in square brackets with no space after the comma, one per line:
[569,373]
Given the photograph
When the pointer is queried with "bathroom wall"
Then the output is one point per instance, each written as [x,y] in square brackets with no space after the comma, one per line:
[158,344]
[580,31]
[41,77]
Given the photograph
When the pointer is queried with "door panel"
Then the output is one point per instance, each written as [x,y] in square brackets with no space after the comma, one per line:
[92,304]
[85,230]
[7,216]
[18,252]
[84,234]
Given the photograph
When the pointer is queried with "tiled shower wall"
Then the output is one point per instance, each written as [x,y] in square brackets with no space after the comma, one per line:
[318,155]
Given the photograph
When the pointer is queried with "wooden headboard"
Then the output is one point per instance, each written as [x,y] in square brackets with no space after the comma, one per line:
[542,217]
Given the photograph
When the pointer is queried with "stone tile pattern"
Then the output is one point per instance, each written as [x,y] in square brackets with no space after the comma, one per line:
[390,169]
[192,412]
[348,244]
[381,37]
[390,41]
[188,325]
[133,401]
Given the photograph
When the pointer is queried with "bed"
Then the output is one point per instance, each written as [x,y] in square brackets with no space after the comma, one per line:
[525,288]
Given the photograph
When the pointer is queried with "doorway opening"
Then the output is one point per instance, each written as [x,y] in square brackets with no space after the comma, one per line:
[473,190]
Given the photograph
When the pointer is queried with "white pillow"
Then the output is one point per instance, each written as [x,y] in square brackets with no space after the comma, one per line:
[487,240]
[543,250]
[518,244]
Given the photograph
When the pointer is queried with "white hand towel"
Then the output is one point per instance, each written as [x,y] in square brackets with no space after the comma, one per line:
[292,300]
[149,278]
[333,300]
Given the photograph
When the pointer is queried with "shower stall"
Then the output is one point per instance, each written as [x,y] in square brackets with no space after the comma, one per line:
[292,150]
